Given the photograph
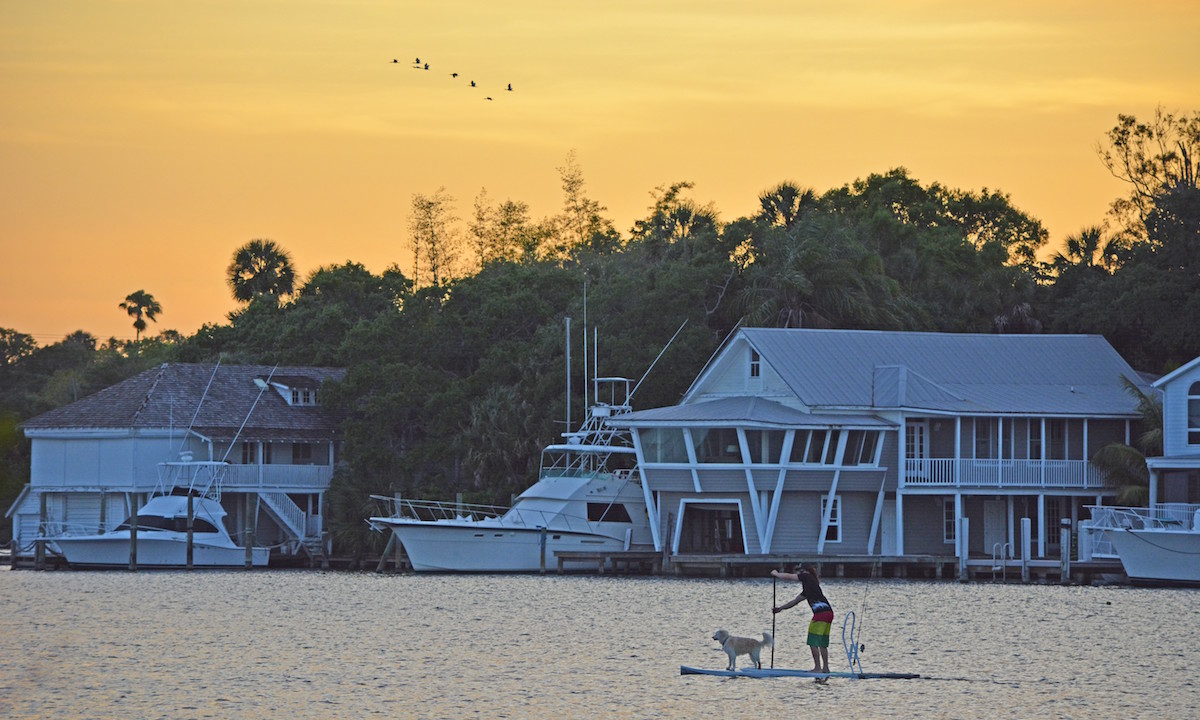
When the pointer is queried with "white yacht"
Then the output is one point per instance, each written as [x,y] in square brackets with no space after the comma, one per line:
[162,539]
[1155,545]
[588,497]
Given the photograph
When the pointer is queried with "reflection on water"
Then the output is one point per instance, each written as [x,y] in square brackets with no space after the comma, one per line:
[305,644]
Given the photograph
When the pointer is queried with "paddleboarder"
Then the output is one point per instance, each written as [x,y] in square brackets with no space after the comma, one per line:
[822,619]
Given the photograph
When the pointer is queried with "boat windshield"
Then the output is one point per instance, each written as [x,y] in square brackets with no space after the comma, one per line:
[178,524]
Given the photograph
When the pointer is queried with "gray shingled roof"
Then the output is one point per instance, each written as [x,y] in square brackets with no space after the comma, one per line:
[168,395]
[963,373]
[743,412]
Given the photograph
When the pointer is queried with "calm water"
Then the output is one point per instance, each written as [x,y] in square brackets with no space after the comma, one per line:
[307,644]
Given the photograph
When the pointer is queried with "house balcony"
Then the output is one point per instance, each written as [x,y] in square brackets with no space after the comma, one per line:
[285,478]
[1002,473]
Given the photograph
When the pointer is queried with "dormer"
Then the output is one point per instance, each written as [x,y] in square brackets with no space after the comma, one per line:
[295,390]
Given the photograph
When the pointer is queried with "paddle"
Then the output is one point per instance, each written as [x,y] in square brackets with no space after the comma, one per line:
[773,579]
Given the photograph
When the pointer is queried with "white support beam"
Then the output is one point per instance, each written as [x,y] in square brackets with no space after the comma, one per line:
[647,495]
[838,457]
[789,440]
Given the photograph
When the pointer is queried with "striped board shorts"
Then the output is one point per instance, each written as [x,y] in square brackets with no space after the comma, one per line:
[818,628]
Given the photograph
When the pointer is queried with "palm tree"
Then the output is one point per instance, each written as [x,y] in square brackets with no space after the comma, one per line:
[261,268]
[783,205]
[1124,466]
[141,306]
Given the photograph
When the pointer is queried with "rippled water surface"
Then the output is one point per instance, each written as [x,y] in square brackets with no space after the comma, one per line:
[307,644]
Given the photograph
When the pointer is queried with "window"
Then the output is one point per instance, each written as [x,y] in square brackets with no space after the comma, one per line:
[606,512]
[860,447]
[303,396]
[755,364]
[1193,413]
[716,445]
[302,453]
[834,532]
[983,438]
[663,445]
[949,525]
[1035,439]
[250,453]
[765,445]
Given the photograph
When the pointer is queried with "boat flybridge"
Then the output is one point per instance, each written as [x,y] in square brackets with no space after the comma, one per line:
[158,535]
[588,497]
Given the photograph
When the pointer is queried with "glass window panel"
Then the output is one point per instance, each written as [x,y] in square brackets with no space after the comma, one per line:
[716,445]
[663,445]
[765,445]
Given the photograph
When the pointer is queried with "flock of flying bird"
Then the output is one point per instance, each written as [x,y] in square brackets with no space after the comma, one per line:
[418,65]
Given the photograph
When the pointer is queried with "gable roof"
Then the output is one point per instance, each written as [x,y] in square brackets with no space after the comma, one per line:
[958,373]
[168,396]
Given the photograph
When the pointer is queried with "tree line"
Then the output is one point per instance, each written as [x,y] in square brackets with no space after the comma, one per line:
[456,363]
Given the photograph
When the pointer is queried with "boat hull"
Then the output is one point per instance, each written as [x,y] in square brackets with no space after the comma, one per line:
[1159,556]
[447,547]
[112,551]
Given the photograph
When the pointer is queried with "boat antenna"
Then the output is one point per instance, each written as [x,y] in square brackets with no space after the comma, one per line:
[198,405]
[567,319]
[585,355]
[629,400]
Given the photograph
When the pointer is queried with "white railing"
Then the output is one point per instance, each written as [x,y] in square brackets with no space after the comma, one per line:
[289,512]
[1002,473]
[308,478]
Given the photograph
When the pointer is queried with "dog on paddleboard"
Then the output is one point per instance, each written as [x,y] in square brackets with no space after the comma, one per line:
[734,646]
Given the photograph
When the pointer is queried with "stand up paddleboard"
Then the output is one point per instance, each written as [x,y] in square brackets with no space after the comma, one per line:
[786,672]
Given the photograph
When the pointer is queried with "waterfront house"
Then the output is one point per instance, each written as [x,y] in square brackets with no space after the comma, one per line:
[1175,477]
[860,444]
[263,428]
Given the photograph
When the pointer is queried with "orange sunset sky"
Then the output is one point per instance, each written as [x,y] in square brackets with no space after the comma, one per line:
[142,142]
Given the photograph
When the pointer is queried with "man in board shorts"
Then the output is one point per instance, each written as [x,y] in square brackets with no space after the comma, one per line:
[822,619]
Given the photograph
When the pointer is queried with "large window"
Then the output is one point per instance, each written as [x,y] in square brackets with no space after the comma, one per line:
[663,445]
[755,364]
[860,447]
[833,533]
[765,445]
[1035,439]
[1193,407]
[814,447]
[716,445]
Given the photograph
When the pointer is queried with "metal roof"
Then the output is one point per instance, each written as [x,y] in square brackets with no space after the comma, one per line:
[743,412]
[960,373]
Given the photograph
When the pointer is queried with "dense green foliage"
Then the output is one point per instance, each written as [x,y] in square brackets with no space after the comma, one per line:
[453,386]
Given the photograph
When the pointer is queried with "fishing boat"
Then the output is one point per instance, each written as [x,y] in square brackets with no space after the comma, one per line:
[588,498]
[1158,545]
[162,539]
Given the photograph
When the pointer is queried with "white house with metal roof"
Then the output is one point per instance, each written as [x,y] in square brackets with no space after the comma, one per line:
[1175,477]
[853,444]
[261,429]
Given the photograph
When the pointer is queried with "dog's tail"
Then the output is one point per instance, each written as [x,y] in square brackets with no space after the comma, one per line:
[768,640]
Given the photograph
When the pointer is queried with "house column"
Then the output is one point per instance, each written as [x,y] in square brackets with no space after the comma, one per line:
[957,451]
[1041,525]
[900,524]
[838,459]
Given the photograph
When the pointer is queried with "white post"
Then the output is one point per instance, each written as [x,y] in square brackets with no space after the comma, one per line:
[1026,547]
[1064,544]
[1041,550]
[962,540]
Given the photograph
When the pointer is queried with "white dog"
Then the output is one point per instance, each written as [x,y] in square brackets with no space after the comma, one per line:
[734,646]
